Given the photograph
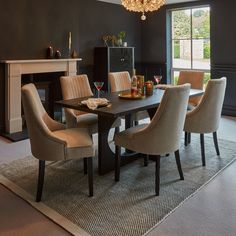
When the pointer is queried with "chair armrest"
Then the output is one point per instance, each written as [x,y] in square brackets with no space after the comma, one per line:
[52,124]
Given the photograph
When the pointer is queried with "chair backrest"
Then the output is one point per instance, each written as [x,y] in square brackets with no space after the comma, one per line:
[119,81]
[205,118]
[75,86]
[195,78]
[165,130]
[40,126]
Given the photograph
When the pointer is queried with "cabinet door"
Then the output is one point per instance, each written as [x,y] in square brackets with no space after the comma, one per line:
[121,59]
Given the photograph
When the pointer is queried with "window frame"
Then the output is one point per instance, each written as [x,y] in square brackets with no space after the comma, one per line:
[191,39]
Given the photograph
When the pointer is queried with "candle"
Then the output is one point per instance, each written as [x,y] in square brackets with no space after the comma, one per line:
[70,41]
[149,88]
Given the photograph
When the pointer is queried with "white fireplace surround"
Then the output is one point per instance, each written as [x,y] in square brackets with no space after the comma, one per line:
[14,69]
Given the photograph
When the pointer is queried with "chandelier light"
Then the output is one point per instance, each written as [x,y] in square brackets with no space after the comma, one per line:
[142,6]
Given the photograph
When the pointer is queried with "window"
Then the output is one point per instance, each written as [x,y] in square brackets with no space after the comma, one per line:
[190,37]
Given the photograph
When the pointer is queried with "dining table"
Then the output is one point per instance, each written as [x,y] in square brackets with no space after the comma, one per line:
[116,108]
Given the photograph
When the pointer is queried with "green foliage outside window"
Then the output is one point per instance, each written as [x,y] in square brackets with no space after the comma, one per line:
[207,50]
[176,50]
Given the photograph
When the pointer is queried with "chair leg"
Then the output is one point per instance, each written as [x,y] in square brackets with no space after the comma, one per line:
[85,166]
[90,175]
[157,175]
[117,163]
[178,162]
[186,139]
[189,138]
[216,143]
[40,180]
[136,122]
[146,158]
[203,150]
[117,129]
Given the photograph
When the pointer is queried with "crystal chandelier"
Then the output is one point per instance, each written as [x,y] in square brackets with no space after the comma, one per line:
[142,5]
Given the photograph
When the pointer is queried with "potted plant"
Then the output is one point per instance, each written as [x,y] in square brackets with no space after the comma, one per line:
[121,35]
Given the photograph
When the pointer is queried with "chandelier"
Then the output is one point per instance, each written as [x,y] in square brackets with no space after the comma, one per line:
[142,6]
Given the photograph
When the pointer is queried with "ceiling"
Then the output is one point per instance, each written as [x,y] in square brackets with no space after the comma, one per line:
[167,1]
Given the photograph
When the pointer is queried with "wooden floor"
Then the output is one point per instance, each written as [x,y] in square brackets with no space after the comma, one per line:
[212,211]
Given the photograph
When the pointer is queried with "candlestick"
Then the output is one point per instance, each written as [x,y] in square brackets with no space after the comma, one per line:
[70,42]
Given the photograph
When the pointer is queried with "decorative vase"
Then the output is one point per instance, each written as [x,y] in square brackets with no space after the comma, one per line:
[74,54]
[50,52]
[119,42]
[57,54]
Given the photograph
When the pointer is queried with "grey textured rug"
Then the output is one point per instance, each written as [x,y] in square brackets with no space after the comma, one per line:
[128,207]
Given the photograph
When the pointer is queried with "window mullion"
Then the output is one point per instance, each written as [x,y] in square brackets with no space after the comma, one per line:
[191,25]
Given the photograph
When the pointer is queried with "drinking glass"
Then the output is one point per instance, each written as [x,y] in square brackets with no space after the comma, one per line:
[98,86]
[157,78]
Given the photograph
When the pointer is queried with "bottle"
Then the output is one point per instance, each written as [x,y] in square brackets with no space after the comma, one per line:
[140,85]
[134,88]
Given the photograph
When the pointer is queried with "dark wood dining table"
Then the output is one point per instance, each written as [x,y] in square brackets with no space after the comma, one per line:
[117,107]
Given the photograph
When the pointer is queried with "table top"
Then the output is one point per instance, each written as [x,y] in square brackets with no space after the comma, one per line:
[118,106]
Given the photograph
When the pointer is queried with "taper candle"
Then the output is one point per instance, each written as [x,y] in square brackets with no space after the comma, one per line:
[70,41]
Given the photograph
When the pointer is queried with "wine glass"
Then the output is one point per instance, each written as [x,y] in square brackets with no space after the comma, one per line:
[157,78]
[98,85]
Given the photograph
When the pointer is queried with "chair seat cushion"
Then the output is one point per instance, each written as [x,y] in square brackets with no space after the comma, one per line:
[126,138]
[75,137]
[79,142]
[89,121]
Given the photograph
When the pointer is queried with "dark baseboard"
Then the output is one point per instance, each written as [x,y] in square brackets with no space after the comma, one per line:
[229,111]
[16,137]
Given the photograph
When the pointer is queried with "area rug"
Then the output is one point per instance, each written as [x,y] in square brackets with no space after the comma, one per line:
[128,207]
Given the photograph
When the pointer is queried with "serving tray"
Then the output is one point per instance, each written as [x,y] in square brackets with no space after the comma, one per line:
[129,96]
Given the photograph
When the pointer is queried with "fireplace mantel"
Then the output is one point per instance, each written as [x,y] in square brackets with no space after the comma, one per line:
[14,69]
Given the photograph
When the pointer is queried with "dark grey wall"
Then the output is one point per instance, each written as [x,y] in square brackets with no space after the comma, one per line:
[28,27]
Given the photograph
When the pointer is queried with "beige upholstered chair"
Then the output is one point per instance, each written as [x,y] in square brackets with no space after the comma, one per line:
[162,135]
[74,87]
[205,118]
[196,79]
[120,81]
[77,87]
[50,141]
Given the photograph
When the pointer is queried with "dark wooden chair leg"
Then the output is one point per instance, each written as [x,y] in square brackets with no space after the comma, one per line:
[40,180]
[136,122]
[186,139]
[90,175]
[202,150]
[178,162]
[117,129]
[117,163]
[189,138]
[146,158]
[216,143]
[85,166]
[157,175]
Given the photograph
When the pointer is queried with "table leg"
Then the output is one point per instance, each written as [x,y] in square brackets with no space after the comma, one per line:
[128,121]
[106,158]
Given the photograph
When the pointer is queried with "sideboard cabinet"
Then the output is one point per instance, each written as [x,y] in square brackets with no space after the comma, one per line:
[112,59]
